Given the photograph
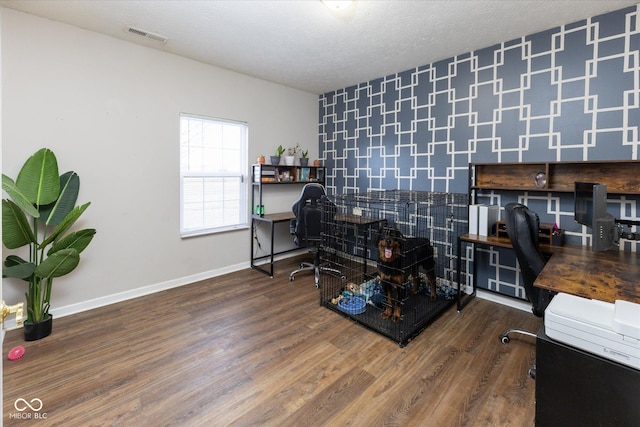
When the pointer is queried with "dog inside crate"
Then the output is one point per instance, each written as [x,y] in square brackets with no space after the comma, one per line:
[399,261]
[405,266]
[396,262]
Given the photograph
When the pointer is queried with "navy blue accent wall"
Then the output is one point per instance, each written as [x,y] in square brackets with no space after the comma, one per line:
[566,94]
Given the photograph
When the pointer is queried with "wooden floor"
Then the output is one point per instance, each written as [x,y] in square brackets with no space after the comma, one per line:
[244,349]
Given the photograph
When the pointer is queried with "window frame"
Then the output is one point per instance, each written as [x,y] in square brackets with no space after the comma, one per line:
[241,174]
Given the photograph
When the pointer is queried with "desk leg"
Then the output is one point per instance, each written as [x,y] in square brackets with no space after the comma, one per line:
[462,302]
[272,239]
[270,256]
[475,267]
[460,275]
[253,230]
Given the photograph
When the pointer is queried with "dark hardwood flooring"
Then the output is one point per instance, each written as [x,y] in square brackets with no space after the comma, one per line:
[244,349]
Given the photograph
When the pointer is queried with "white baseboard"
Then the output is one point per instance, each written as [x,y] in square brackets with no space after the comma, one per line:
[504,300]
[133,293]
[145,290]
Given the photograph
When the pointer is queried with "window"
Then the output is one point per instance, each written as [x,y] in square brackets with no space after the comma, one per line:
[213,188]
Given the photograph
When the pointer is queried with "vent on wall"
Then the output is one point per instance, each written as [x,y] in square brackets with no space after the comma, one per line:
[146,34]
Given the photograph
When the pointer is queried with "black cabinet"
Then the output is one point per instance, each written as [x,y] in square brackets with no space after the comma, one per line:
[578,388]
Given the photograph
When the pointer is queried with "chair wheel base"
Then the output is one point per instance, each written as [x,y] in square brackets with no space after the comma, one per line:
[504,337]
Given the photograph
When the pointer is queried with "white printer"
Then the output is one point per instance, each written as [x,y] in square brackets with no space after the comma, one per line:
[608,330]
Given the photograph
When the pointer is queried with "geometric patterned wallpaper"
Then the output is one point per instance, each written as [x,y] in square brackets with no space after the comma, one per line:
[569,93]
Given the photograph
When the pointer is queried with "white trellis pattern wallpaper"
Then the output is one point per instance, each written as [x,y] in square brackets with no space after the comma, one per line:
[569,93]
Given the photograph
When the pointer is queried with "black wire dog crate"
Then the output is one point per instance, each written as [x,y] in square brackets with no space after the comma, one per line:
[396,252]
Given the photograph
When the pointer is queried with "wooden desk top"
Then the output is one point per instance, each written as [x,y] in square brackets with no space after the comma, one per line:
[502,242]
[577,270]
[275,217]
[356,219]
[605,276]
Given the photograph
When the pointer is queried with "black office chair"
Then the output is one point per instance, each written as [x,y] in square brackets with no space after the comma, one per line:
[307,227]
[523,227]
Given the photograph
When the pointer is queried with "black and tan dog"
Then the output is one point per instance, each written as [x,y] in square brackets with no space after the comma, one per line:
[398,257]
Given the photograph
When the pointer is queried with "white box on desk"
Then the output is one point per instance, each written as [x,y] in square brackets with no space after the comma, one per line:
[473,218]
[488,216]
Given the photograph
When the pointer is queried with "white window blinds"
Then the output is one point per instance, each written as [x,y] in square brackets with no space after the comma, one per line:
[213,159]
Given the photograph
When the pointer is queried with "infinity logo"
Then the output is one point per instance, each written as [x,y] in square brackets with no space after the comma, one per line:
[22,405]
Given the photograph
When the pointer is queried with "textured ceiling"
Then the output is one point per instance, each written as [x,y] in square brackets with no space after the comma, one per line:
[304,45]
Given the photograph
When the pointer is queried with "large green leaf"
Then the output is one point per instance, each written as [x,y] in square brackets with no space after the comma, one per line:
[54,213]
[78,240]
[18,197]
[14,260]
[65,225]
[58,264]
[16,231]
[18,268]
[38,179]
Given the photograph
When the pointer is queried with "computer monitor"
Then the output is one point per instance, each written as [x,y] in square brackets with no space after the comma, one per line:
[591,210]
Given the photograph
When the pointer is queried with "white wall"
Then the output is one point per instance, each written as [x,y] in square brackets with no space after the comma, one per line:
[110,111]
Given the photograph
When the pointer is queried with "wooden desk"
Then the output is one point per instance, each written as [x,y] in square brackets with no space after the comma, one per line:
[502,242]
[577,270]
[605,276]
[358,219]
[574,386]
[476,240]
[270,219]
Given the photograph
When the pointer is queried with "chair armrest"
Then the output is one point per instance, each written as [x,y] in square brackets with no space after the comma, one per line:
[292,226]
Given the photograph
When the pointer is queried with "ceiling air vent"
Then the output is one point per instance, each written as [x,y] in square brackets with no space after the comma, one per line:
[146,34]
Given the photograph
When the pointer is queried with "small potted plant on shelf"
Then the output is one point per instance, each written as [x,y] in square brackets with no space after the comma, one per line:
[38,214]
[304,160]
[275,160]
[290,159]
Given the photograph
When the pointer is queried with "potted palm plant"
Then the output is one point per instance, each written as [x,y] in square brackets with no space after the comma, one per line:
[39,214]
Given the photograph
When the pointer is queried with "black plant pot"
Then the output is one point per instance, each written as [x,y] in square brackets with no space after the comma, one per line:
[275,160]
[304,161]
[36,331]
